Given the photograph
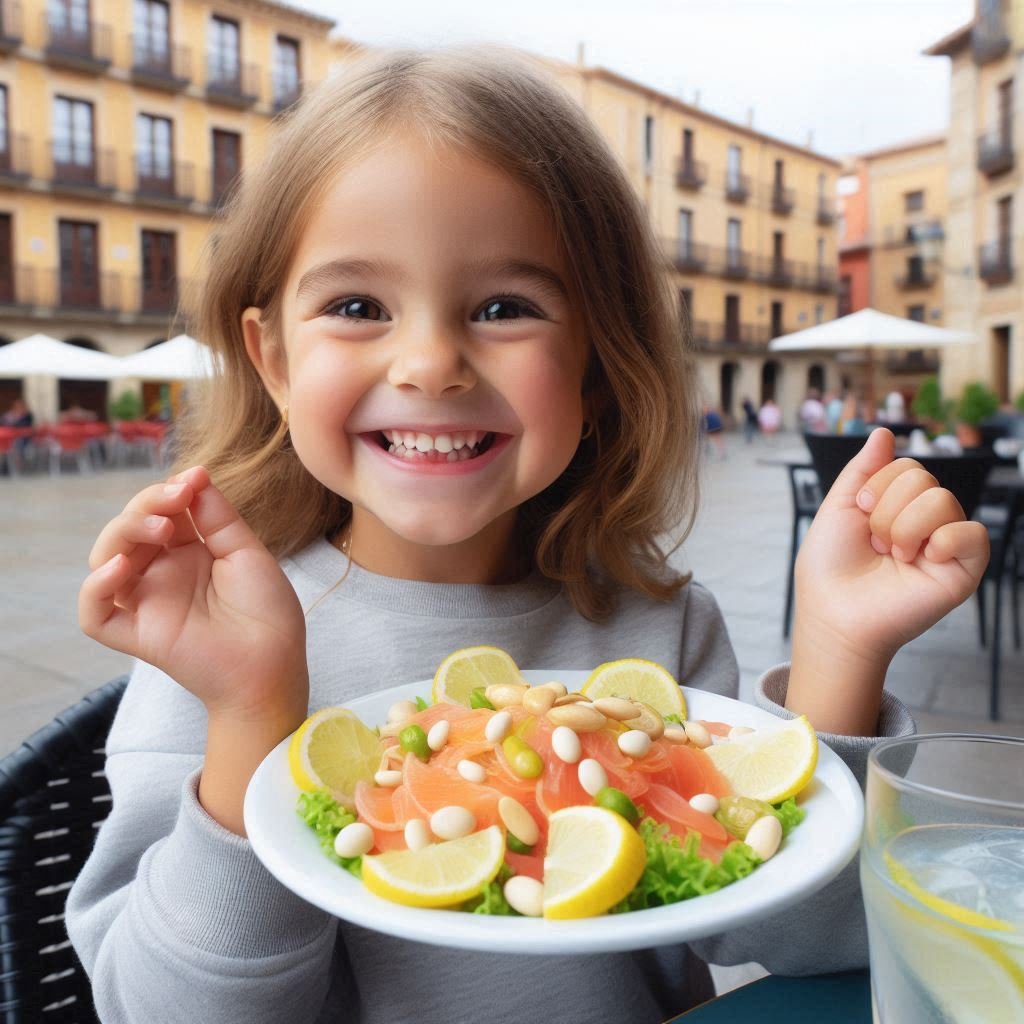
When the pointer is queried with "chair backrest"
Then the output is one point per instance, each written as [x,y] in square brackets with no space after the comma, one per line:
[53,796]
[964,475]
[830,453]
[805,491]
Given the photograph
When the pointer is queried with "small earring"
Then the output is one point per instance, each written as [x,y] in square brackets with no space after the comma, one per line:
[588,429]
[284,416]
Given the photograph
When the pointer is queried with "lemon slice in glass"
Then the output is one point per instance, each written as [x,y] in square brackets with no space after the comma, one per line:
[637,679]
[466,670]
[439,875]
[594,859]
[333,750]
[771,764]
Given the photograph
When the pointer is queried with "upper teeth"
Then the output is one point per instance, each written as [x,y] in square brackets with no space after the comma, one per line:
[424,442]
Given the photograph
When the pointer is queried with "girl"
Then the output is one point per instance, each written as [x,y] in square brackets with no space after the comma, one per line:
[454,410]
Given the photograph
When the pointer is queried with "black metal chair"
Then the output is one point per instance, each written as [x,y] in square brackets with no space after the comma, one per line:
[830,453]
[53,797]
[806,494]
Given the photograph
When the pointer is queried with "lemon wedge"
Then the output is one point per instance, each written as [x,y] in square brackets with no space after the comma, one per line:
[439,875]
[594,859]
[465,670]
[333,750]
[770,764]
[640,680]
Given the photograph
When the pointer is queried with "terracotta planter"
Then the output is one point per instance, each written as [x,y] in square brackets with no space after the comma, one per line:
[968,435]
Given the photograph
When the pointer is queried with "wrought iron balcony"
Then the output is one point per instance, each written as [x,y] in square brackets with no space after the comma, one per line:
[234,87]
[17,289]
[10,25]
[173,184]
[995,262]
[161,65]
[822,279]
[15,160]
[914,279]
[734,263]
[84,46]
[783,199]
[711,335]
[826,214]
[687,256]
[285,92]
[737,187]
[691,174]
[777,271]
[995,152]
[82,173]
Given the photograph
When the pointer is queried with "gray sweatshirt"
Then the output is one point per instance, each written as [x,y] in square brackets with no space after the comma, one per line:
[175,919]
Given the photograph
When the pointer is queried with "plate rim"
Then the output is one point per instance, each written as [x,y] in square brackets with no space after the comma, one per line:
[657,926]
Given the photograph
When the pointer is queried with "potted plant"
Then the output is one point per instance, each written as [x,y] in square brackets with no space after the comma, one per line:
[1018,403]
[928,407]
[977,403]
[127,406]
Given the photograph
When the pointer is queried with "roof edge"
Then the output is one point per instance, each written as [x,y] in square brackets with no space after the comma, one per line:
[953,43]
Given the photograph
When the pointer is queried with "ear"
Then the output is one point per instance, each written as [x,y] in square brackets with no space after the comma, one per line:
[266,354]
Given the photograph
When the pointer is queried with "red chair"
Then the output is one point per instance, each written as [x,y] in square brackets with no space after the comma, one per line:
[70,439]
[8,439]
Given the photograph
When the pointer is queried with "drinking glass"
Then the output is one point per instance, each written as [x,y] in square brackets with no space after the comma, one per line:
[942,870]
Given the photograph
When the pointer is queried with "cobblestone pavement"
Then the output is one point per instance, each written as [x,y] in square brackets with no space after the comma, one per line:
[739,549]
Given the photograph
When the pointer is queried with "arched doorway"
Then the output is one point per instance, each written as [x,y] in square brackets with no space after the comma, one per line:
[771,377]
[816,378]
[727,374]
[90,395]
[11,388]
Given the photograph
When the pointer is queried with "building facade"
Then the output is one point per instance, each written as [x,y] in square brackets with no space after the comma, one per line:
[123,125]
[983,287]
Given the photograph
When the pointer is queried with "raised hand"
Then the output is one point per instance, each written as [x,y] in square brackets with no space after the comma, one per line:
[180,581]
[888,554]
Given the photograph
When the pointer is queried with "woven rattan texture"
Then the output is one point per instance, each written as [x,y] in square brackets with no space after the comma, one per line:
[53,797]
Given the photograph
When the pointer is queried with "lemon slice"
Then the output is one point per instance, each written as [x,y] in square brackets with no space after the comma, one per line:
[594,859]
[771,764]
[333,750]
[439,875]
[464,671]
[639,680]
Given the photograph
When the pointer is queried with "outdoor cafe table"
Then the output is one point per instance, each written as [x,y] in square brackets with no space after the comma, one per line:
[839,998]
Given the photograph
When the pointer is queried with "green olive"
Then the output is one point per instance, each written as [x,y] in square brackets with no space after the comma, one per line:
[613,799]
[478,699]
[516,845]
[737,813]
[524,760]
[413,740]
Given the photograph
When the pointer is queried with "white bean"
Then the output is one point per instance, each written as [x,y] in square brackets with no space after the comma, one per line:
[525,895]
[739,730]
[438,735]
[706,803]
[389,777]
[518,820]
[634,743]
[471,771]
[354,840]
[402,711]
[417,834]
[675,734]
[697,734]
[764,836]
[592,775]
[497,726]
[566,744]
[452,822]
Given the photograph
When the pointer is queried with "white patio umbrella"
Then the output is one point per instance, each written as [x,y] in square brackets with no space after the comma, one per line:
[868,329]
[181,358]
[40,355]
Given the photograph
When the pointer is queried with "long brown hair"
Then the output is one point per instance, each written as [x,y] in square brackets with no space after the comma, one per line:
[633,479]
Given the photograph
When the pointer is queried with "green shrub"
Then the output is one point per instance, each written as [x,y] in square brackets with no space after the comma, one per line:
[927,403]
[977,403]
[127,406]
[1019,402]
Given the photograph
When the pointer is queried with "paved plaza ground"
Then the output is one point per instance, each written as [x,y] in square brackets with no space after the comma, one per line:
[739,549]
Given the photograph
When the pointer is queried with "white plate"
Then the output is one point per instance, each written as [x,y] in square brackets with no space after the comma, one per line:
[812,855]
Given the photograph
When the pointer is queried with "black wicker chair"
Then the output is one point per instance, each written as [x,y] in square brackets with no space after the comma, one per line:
[53,797]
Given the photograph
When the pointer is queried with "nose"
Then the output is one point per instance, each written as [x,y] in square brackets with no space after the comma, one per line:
[431,360]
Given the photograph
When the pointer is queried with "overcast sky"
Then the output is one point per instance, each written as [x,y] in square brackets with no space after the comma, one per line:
[847,73]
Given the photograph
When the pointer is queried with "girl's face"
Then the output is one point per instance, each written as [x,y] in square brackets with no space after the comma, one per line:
[433,359]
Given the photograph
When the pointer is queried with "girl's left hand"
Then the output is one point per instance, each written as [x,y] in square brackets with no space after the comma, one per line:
[889,554]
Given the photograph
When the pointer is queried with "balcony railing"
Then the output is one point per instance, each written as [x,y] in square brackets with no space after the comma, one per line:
[825,215]
[822,279]
[995,262]
[913,279]
[96,171]
[777,271]
[17,289]
[15,159]
[708,334]
[734,263]
[10,25]
[783,199]
[172,184]
[687,256]
[84,46]
[737,187]
[285,91]
[235,87]
[691,173]
[161,65]
[995,151]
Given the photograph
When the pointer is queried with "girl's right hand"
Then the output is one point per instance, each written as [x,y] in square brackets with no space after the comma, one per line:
[180,581]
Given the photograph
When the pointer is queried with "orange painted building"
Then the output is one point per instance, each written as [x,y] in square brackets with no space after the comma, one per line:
[854,240]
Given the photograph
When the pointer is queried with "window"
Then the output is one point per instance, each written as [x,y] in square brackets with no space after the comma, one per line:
[915,268]
[79,273]
[915,313]
[223,57]
[845,295]
[913,201]
[6,259]
[819,313]
[780,174]
[648,144]
[822,184]
[777,320]
[72,137]
[153,150]
[227,162]
[732,318]
[685,234]
[821,253]
[151,25]
[734,168]
[69,24]
[733,238]
[158,270]
[686,308]
[5,147]
[286,70]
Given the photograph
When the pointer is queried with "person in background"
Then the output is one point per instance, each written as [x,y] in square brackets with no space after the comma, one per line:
[895,407]
[75,413]
[749,419]
[852,420]
[812,413]
[711,425]
[18,415]
[769,418]
[834,410]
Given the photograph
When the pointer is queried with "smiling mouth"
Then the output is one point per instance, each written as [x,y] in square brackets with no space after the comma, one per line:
[419,447]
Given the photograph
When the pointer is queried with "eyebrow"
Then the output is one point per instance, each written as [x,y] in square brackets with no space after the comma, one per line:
[544,277]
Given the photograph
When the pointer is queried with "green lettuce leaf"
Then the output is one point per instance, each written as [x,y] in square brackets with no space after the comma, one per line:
[491,899]
[326,817]
[789,815]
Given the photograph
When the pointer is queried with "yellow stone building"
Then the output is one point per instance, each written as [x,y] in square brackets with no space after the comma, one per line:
[748,228]
[983,288]
[123,124]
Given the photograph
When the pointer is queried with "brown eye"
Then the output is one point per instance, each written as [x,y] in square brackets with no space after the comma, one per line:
[357,309]
[506,309]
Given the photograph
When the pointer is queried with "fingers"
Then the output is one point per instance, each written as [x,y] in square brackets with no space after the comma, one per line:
[967,542]
[98,615]
[932,509]
[902,484]
[220,525]
[876,453]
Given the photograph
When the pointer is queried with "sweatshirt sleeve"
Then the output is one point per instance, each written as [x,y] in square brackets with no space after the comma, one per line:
[826,932]
[171,909]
